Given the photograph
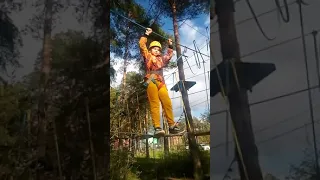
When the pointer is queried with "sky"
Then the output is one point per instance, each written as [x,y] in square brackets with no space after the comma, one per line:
[190,30]
[276,154]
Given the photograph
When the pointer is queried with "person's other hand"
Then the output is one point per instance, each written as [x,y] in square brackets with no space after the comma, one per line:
[148,31]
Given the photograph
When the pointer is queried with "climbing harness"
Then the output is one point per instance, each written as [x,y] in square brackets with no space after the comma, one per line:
[151,78]
[154,80]
[154,77]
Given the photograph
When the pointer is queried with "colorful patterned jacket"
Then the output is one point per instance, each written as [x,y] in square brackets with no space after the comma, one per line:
[154,64]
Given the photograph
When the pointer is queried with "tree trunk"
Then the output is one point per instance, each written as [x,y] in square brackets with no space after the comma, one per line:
[146,132]
[131,138]
[57,148]
[125,62]
[165,139]
[92,153]
[126,55]
[45,72]
[194,149]
[137,148]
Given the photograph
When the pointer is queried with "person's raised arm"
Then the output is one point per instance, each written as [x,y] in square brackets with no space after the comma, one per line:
[143,43]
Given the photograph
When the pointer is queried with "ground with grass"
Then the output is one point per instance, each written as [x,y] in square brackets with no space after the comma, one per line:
[176,165]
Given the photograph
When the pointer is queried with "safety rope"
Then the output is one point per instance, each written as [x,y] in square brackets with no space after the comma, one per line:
[228,109]
[186,60]
[196,57]
[205,78]
[154,32]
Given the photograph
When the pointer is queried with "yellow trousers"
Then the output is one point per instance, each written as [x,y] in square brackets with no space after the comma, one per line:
[155,96]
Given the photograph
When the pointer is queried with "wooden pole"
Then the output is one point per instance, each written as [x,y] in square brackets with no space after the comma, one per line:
[90,140]
[146,132]
[247,157]
[194,149]
[165,139]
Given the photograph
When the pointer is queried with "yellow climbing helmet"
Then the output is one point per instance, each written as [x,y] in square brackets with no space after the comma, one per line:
[155,44]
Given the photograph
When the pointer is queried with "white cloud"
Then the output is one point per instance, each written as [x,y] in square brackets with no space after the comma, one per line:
[207,22]
[188,32]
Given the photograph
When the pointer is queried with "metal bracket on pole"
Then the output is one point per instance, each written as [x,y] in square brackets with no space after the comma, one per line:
[186,84]
[249,75]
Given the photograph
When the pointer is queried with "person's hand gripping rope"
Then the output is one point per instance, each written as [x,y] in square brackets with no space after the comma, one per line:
[149,31]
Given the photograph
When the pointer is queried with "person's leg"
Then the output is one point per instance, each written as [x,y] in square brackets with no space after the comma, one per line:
[154,101]
[168,111]
[166,105]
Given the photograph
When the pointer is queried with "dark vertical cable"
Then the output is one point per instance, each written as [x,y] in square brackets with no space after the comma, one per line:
[309,91]
[229,169]
[315,33]
[227,134]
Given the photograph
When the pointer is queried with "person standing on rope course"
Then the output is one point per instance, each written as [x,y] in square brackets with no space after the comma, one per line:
[156,89]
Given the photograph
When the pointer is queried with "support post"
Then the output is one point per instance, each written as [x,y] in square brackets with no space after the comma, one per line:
[194,149]
[238,98]
[146,132]
[165,139]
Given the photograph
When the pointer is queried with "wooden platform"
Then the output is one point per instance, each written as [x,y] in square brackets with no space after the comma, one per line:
[249,74]
[206,133]
[145,136]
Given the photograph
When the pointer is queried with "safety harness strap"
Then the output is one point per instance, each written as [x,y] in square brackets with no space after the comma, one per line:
[153,78]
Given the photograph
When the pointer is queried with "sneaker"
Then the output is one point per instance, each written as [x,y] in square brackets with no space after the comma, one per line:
[158,132]
[175,130]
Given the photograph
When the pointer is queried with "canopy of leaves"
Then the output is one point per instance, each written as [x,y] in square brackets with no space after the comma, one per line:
[135,107]
[14,110]
[200,124]
[78,72]
[186,9]
[75,77]
[125,33]
[10,41]
[306,169]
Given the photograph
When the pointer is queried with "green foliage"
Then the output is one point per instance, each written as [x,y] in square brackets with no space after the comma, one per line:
[177,164]
[132,111]
[188,9]
[120,165]
[75,76]
[10,42]
[200,125]
[78,71]
[36,23]
[126,34]
[14,108]
[305,169]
